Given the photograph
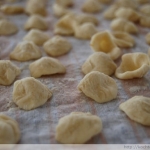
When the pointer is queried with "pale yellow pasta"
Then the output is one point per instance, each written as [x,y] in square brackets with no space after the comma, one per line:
[29,93]
[65,3]
[110,12]
[46,66]
[99,87]
[10,132]
[7,27]
[101,62]
[36,36]
[36,22]
[59,10]
[25,51]
[137,108]
[36,7]
[123,39]
[8,72]
[12,9]
[85,31]
[91,6]
[145,9]
[127,3]
[145,21]
[127,13]
[65,25]
[57,46]
[121,24]
[133,65]
[103,42]
[77,128]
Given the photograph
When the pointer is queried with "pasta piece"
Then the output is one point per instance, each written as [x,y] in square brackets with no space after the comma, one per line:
[110,12]
[123,39]
[99,87]
[121,24]
[101,62]
[84,18]
[12,9]
[25,51]
[65,25]
[40,8]
[46,66]
[147,38]
[133,65]
[140,103]
[57,46]
[91,6]
[85,31]
[127,3]
[7,28]
[8,72]
[145,21]
[36,22]
[60,11]
[36,36]
[127,13]
[10,132]
[65,3]
[145,9]
[77,128]
[29,93]
[103,42]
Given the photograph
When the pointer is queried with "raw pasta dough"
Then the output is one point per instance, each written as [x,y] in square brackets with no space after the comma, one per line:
[29,93]
[9,130]
[8,72]
[78,128]
[99,87]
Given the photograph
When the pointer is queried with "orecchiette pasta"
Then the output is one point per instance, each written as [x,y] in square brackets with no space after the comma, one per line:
[29,93]
[65,25]
[36,36]
[57,46]
[85,31]
[7,28]
[65,3]
[99,87]
[8,72]
[145,9]
[25,51]
[101,62]
[123,39]
[127,13]
[110,12]
[46,66]
[91,6]
[133,65]
[140,103]
[127,3]
[77,128]
[59,10]
[12,9]
[85,18]
[103,42]
[36,22]
[145,21]
[34,7]
[121,24]
[10,132]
